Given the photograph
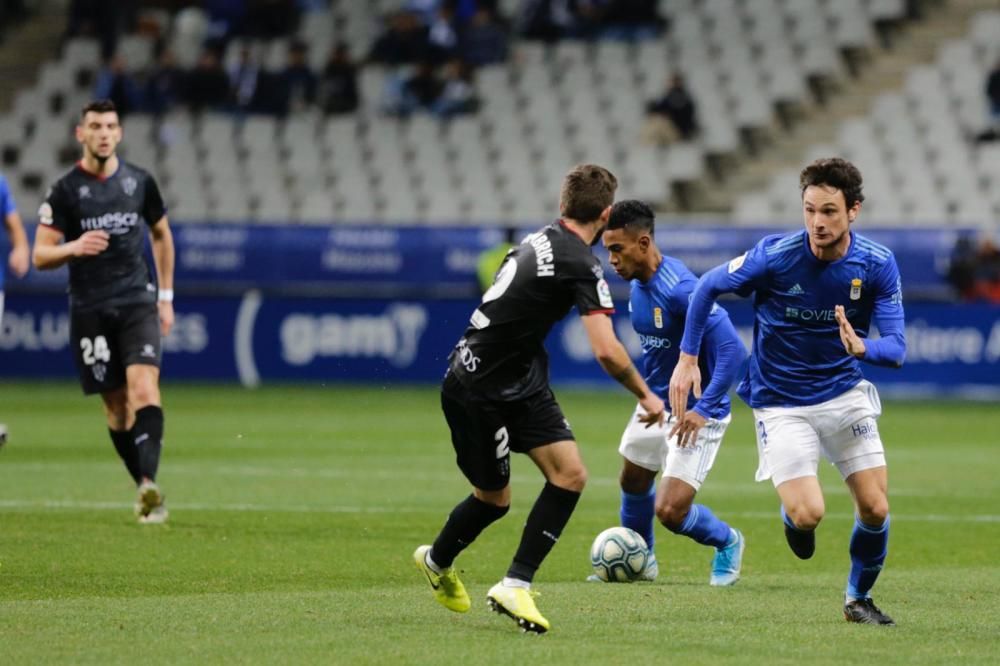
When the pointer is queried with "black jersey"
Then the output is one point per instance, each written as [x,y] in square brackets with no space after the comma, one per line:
[123,204]
[502,354]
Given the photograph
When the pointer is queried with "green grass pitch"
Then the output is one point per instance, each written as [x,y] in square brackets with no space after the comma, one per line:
[294,511]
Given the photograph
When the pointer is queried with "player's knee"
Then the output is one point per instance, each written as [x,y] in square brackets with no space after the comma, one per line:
[875,512]
[633,481]
[571,478]
[144,392]
[671,516]
[807,515]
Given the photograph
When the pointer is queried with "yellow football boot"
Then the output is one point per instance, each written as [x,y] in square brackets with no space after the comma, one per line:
[447,588]
[517,603]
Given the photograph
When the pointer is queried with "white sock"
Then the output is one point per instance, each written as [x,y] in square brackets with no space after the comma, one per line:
[432,564]
[516,582]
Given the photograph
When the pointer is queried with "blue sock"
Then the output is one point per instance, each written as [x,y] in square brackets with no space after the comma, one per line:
[869,546]
[701,525]
[637,512]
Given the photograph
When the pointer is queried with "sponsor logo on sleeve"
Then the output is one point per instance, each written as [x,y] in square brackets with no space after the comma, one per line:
[45,214]
[604,294]
[736,263]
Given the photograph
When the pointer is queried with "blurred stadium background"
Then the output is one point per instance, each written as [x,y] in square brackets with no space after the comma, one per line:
[326,237]
[335,168]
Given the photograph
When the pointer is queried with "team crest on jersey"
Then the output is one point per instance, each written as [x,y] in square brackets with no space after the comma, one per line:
[129,184]
[84,192]
[855,289]
[658,317]
[100,371]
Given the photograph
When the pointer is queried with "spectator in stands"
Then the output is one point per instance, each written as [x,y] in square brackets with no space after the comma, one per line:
[631,20]
[993,93]
[207,84]
[244,76]
[975,269]
[103,19]
[422,89]
[271,18]
[114,82]
[165,83]
[458,95]
[298,81]
[226,18]
[405,40]
[483,41]
[338,89]
[671,117]
[992,90]
[442,39]
[547,20]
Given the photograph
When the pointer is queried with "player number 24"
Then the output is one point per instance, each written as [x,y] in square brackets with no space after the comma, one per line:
[95,350]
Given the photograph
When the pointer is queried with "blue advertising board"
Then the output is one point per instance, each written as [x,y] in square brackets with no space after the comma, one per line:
[255,337]
[435,262]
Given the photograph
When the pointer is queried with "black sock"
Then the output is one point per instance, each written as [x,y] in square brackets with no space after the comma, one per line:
[147,437]
[122,439]
[467,520]
[545,523]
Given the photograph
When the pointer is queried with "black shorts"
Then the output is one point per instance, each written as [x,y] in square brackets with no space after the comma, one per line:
[105,342]
[484,432]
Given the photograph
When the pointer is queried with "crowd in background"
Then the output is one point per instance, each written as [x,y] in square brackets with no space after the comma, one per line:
[431,48]
[975,269]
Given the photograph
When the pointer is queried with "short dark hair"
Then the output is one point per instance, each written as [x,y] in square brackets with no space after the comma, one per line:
[834,172]
[98,106]
[632,213]
[586,191]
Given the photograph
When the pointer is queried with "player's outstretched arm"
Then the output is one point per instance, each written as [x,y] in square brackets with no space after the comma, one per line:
[19,252]
[50,252]
[163,257]
[615,361]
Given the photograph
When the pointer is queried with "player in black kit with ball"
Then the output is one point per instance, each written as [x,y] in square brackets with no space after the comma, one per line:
[496,396]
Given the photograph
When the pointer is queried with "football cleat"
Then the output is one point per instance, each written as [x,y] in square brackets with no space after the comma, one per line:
[651,570]
[864,611]
[517,603]
[802,542]
[148,498]
[447,588]
[728,561]
[157,516]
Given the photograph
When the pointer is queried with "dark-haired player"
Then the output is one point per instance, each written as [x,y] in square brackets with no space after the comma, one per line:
[657,306]
[815,294]
[496,396]
[94,218]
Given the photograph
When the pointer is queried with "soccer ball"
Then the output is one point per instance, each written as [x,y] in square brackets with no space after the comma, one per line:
[618,555]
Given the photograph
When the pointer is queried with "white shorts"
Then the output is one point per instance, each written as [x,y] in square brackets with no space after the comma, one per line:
[844,430]
[649,448]
[1,306]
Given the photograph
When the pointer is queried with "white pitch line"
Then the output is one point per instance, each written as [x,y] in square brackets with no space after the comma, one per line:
[415,476]
[319,508]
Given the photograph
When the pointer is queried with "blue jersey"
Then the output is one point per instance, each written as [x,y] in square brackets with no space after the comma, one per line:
[798,357]
[658,309]
[7,206]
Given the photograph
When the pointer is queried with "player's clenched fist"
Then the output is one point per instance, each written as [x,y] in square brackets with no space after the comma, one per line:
[91,243]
